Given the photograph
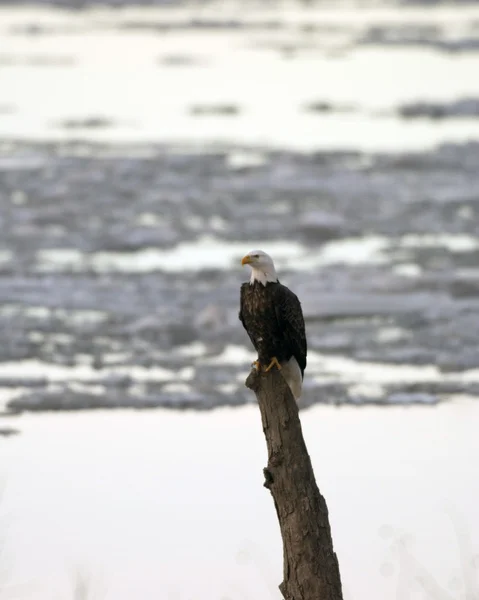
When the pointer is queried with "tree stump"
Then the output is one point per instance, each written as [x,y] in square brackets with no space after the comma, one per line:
[310,569]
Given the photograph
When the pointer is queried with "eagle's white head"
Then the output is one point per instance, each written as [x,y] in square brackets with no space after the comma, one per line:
[262,267]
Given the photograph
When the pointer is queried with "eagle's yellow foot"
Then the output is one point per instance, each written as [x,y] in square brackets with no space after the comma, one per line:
[274,361]
[257,365]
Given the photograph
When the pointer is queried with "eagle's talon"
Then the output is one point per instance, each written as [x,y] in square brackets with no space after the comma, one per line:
[257,365]
[274,361]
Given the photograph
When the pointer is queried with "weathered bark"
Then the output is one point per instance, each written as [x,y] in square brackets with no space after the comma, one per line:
[311,570]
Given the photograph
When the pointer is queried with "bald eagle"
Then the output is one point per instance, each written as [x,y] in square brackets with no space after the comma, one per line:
[273,319]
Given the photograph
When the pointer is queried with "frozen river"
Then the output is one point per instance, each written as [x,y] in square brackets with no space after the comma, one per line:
[142,153]
[290,76]
[163,504]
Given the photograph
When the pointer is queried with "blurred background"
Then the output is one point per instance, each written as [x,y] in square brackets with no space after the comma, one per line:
[144,149]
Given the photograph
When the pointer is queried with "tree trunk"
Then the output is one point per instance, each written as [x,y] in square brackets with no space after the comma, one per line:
[311,570]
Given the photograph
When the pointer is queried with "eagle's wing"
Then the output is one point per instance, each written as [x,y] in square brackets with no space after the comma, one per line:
[290,317]
[244,288]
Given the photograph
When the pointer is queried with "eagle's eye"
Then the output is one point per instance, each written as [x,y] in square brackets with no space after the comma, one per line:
[256,256]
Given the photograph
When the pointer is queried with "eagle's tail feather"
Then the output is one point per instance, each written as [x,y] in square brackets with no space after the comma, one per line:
[292,374]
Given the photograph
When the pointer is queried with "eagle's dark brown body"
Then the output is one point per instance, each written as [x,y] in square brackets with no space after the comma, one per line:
[273,319]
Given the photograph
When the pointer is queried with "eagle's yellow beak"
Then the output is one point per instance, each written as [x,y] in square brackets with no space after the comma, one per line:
[246,260]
